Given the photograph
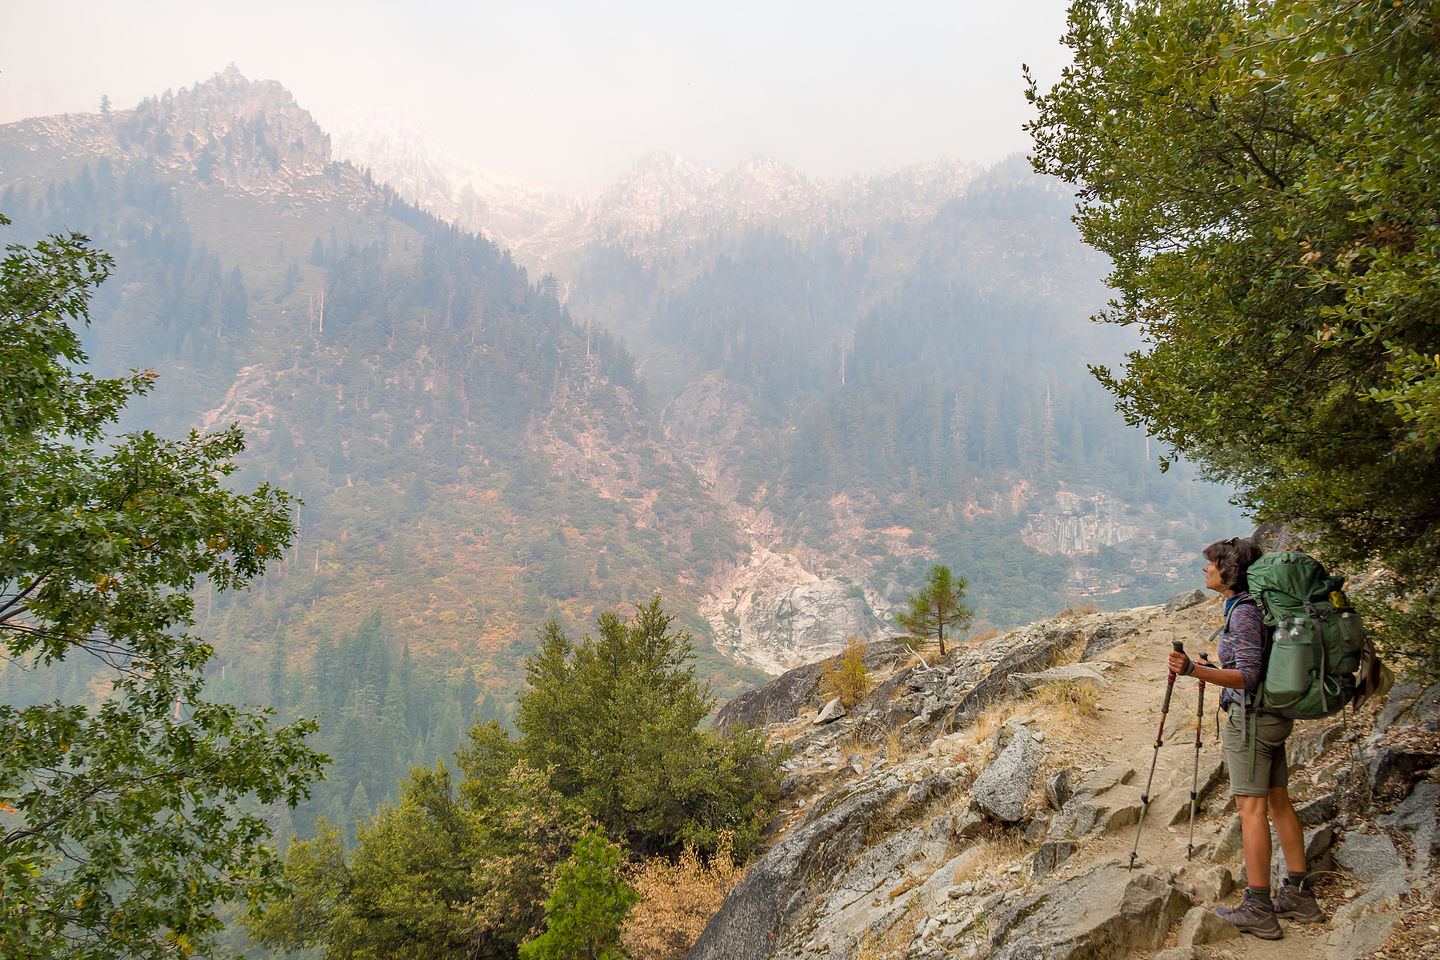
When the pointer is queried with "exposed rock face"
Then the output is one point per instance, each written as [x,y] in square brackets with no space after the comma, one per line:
[880,851]
[1368,856]
[774,613]
[1073,523]
[1418,816]
[1107,912]
[704,423]
[1203,925]
[775,887]
[803,623]
[1022,683]
[1040,644]
[246,135]
[783,698]
[1184,601]
[1099,804]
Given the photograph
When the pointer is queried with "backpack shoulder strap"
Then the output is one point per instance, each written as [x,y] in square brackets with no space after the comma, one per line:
[1265,639]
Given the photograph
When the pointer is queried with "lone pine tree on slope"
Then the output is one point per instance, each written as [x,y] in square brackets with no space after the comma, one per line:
[937,605]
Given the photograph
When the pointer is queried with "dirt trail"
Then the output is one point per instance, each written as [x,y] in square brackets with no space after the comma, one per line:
[1125,732]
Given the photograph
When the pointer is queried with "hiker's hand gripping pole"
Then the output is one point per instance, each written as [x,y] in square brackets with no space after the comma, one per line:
[1195,773]
[1159,742]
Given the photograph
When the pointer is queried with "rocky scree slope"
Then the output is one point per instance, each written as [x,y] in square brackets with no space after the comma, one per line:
[985,806]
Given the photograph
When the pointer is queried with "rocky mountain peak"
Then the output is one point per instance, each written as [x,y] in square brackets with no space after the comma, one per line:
[232,130]
[229,130]
[660,184]
[757,185]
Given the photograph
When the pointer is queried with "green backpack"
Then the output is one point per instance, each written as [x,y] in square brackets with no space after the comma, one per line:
[1315,641]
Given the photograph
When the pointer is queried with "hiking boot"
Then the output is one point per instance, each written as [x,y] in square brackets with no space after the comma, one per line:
[1297,902]
[1253,917]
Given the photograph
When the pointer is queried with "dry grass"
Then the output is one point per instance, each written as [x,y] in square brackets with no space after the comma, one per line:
[894,744]
[1068,655]
[892,941]
[676,901]
[1067,704]
[1078,611]
[867,741]
[992,857]
[979,733]
[983,636]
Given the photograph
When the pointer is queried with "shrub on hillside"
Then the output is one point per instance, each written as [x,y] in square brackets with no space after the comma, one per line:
[845,676]
[677,900]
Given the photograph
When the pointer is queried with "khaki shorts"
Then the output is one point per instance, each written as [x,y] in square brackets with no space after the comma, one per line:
[1270,769]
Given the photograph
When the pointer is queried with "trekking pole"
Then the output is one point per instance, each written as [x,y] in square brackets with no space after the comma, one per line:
[1195,773]
[1159,742]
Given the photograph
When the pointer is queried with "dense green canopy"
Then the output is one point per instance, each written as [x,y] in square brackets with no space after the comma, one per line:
[1264,178]
[609,737]
[121,832]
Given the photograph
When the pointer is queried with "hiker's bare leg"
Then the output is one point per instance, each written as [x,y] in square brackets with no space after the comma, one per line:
[1255,839]
[1287,828]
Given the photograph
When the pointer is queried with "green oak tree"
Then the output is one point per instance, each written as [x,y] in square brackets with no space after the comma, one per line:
[1265,179]
[937,606]
[121,828]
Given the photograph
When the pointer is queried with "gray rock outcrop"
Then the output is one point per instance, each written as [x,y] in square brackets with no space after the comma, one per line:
[1368,855]
[776,886]
[1185,600]
[1098,805]
[784,697]
[1107,635]
[1416,817]
[1032,654]
[1106,912]
[805,622]
[1002,787]
[1203,925]
[1022,683]
[888,841]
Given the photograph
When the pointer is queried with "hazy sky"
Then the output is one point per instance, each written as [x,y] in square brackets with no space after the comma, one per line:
[576,91]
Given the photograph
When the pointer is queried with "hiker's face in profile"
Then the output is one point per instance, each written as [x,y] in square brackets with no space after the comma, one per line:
[1212,578]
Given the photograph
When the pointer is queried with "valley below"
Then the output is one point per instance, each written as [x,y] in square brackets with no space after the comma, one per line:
[773,401]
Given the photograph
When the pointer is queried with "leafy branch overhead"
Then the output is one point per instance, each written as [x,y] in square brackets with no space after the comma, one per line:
[1263,179]
[121,831]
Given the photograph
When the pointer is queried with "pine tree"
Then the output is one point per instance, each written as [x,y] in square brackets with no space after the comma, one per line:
[939,605]
[584,915]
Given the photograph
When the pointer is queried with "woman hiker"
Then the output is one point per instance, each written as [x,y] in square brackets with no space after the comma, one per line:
[1259,775]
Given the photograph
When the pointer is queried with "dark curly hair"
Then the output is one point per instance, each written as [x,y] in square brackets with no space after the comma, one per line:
[1232,558]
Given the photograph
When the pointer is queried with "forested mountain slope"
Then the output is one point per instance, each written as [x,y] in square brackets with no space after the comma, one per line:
[903,381]
[400,376]
[839,383]
[867,373]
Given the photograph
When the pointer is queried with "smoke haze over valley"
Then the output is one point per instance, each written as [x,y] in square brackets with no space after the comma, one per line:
[572,94]
[773,393]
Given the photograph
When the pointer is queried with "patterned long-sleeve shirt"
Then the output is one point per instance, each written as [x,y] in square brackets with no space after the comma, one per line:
[1241,646]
